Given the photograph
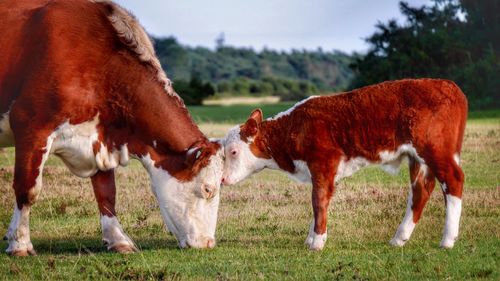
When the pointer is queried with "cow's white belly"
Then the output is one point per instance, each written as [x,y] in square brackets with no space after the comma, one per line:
[6,135]
[74,145]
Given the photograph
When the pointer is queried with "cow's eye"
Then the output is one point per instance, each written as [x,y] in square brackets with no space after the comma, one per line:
[234,152]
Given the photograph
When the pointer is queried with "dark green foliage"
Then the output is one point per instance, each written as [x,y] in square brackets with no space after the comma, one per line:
[194,91]
[243,71]
[437,42]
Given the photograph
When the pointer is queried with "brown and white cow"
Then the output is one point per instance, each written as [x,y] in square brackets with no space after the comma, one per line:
[323,139]
[80,79]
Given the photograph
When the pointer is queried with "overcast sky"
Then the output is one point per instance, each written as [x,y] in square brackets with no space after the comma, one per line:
[276,24]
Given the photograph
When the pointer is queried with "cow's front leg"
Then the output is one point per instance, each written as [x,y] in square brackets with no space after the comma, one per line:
[112,233]
[18,234]
[322,191]
[32,150]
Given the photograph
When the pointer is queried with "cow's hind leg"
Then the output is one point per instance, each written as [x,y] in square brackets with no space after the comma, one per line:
[421,187]
[113,235]
[31,153]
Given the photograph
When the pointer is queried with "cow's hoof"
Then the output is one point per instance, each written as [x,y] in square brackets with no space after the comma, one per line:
[124,249]
[397,242]
[22,253]
[315,248]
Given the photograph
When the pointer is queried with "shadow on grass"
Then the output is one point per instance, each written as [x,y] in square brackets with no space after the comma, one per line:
[92,245]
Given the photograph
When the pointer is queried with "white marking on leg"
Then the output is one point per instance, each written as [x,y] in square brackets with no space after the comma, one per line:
[113,234]
[315,241]
[456,157]
[443,187]
[35,191]
[310,235]
[406,227]
[452,221]
[319,241]
[18,234]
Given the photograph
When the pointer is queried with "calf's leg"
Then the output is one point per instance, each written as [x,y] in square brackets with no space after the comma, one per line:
[451,177]
[422,185]
[113,235]
[322,191]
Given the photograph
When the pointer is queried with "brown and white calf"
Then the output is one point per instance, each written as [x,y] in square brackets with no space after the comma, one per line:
[80,79]
[323,139]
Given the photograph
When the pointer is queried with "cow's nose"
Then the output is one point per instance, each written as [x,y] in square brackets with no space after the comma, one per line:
[223,180]
[208,191]
[210,243]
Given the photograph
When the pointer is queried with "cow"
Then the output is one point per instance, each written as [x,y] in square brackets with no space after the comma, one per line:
[80,79]
[323,139]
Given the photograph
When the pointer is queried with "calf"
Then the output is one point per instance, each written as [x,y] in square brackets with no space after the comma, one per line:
[323,139]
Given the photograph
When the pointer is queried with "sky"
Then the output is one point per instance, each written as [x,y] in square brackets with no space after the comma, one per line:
[274,24]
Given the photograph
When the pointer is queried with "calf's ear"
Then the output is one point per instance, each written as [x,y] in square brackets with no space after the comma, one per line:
[251,127]
[256,115]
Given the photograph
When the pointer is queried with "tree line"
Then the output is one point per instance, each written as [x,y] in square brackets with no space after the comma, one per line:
[232,71]
[452,39]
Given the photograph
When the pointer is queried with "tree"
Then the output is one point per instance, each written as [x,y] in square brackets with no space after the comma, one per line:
[437,41]
[194,91]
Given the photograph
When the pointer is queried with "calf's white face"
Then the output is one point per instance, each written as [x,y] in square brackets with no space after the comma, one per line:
[241,161]
[189,209]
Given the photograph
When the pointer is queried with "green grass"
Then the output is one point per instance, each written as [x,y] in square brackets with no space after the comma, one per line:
[262,225]
[239,113]
[234,113]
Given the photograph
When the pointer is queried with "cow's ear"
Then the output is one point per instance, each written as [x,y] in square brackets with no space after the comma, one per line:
[193,154]
[256,115]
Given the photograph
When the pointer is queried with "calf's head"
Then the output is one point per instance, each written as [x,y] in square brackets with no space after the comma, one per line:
[245,150]
[189,207]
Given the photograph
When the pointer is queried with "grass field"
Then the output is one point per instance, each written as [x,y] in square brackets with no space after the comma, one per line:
[263,222]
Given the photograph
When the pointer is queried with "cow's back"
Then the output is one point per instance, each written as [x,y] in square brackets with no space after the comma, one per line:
[50,44]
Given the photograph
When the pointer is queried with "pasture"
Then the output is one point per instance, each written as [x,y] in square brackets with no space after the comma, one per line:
[263,222]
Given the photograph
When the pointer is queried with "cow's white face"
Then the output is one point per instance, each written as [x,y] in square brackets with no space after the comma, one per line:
[189,209]
[243,151]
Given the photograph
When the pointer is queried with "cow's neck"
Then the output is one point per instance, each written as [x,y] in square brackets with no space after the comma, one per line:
[158,123]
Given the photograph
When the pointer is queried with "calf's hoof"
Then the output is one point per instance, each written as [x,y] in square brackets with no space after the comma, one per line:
[447,243]
[316,242]
[398,242]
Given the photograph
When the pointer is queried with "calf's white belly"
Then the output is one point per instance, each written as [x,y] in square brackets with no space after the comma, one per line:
[389,161]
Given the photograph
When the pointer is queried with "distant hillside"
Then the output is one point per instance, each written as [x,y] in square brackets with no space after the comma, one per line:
[243,71]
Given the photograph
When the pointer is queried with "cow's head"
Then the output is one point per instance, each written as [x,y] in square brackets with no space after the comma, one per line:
[189,207]
[245,150]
